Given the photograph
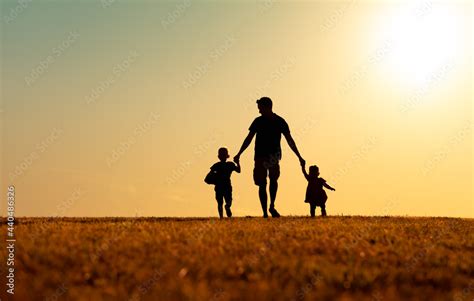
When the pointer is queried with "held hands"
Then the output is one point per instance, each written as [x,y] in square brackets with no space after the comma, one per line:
[237,159]
[302,162]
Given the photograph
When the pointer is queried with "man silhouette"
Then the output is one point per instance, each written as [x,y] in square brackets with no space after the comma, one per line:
[268,127]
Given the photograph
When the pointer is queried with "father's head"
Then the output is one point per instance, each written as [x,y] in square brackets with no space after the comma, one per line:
[265,105]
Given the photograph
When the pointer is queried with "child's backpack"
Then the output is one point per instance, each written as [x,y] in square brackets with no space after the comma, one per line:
[211,178]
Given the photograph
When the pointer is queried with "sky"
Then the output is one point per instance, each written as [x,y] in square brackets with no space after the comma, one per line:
[118,108]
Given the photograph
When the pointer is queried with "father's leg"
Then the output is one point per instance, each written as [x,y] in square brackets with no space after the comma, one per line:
[260,179]
[273,192]
[274,174]
[262,193]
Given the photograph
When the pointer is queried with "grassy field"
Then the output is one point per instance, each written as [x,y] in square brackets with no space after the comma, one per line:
[291,258]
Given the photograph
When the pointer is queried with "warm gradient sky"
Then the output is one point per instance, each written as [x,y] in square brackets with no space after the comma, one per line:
[117,108]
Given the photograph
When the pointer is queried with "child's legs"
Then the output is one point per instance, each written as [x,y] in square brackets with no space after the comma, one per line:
[323,205]
[323,210]
[228,197]
[220,201]
[228,201]
[312,209]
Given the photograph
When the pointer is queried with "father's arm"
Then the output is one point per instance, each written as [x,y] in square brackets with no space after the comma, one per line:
[244,146]
[294,148]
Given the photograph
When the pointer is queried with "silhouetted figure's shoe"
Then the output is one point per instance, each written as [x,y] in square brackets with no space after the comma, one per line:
[265,215]
[274,213]
[228,211]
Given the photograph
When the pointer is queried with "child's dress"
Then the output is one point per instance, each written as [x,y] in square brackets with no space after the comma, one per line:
[315,193]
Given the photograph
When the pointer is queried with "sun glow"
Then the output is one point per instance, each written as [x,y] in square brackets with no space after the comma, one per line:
[424,41]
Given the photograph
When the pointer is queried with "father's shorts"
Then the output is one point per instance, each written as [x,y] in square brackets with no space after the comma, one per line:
[264,167]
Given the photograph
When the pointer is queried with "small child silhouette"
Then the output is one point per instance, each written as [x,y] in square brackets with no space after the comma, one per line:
[222,171]
[315,194]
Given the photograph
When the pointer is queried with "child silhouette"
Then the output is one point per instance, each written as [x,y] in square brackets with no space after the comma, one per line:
[315,194]
[221,172]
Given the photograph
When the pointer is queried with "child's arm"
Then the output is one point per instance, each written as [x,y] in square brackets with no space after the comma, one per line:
[237,168]
[303,168]
[328,187]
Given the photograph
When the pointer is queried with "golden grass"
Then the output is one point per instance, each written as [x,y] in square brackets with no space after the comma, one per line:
[291,258]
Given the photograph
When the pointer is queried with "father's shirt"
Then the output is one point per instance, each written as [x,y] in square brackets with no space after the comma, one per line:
[268,131]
